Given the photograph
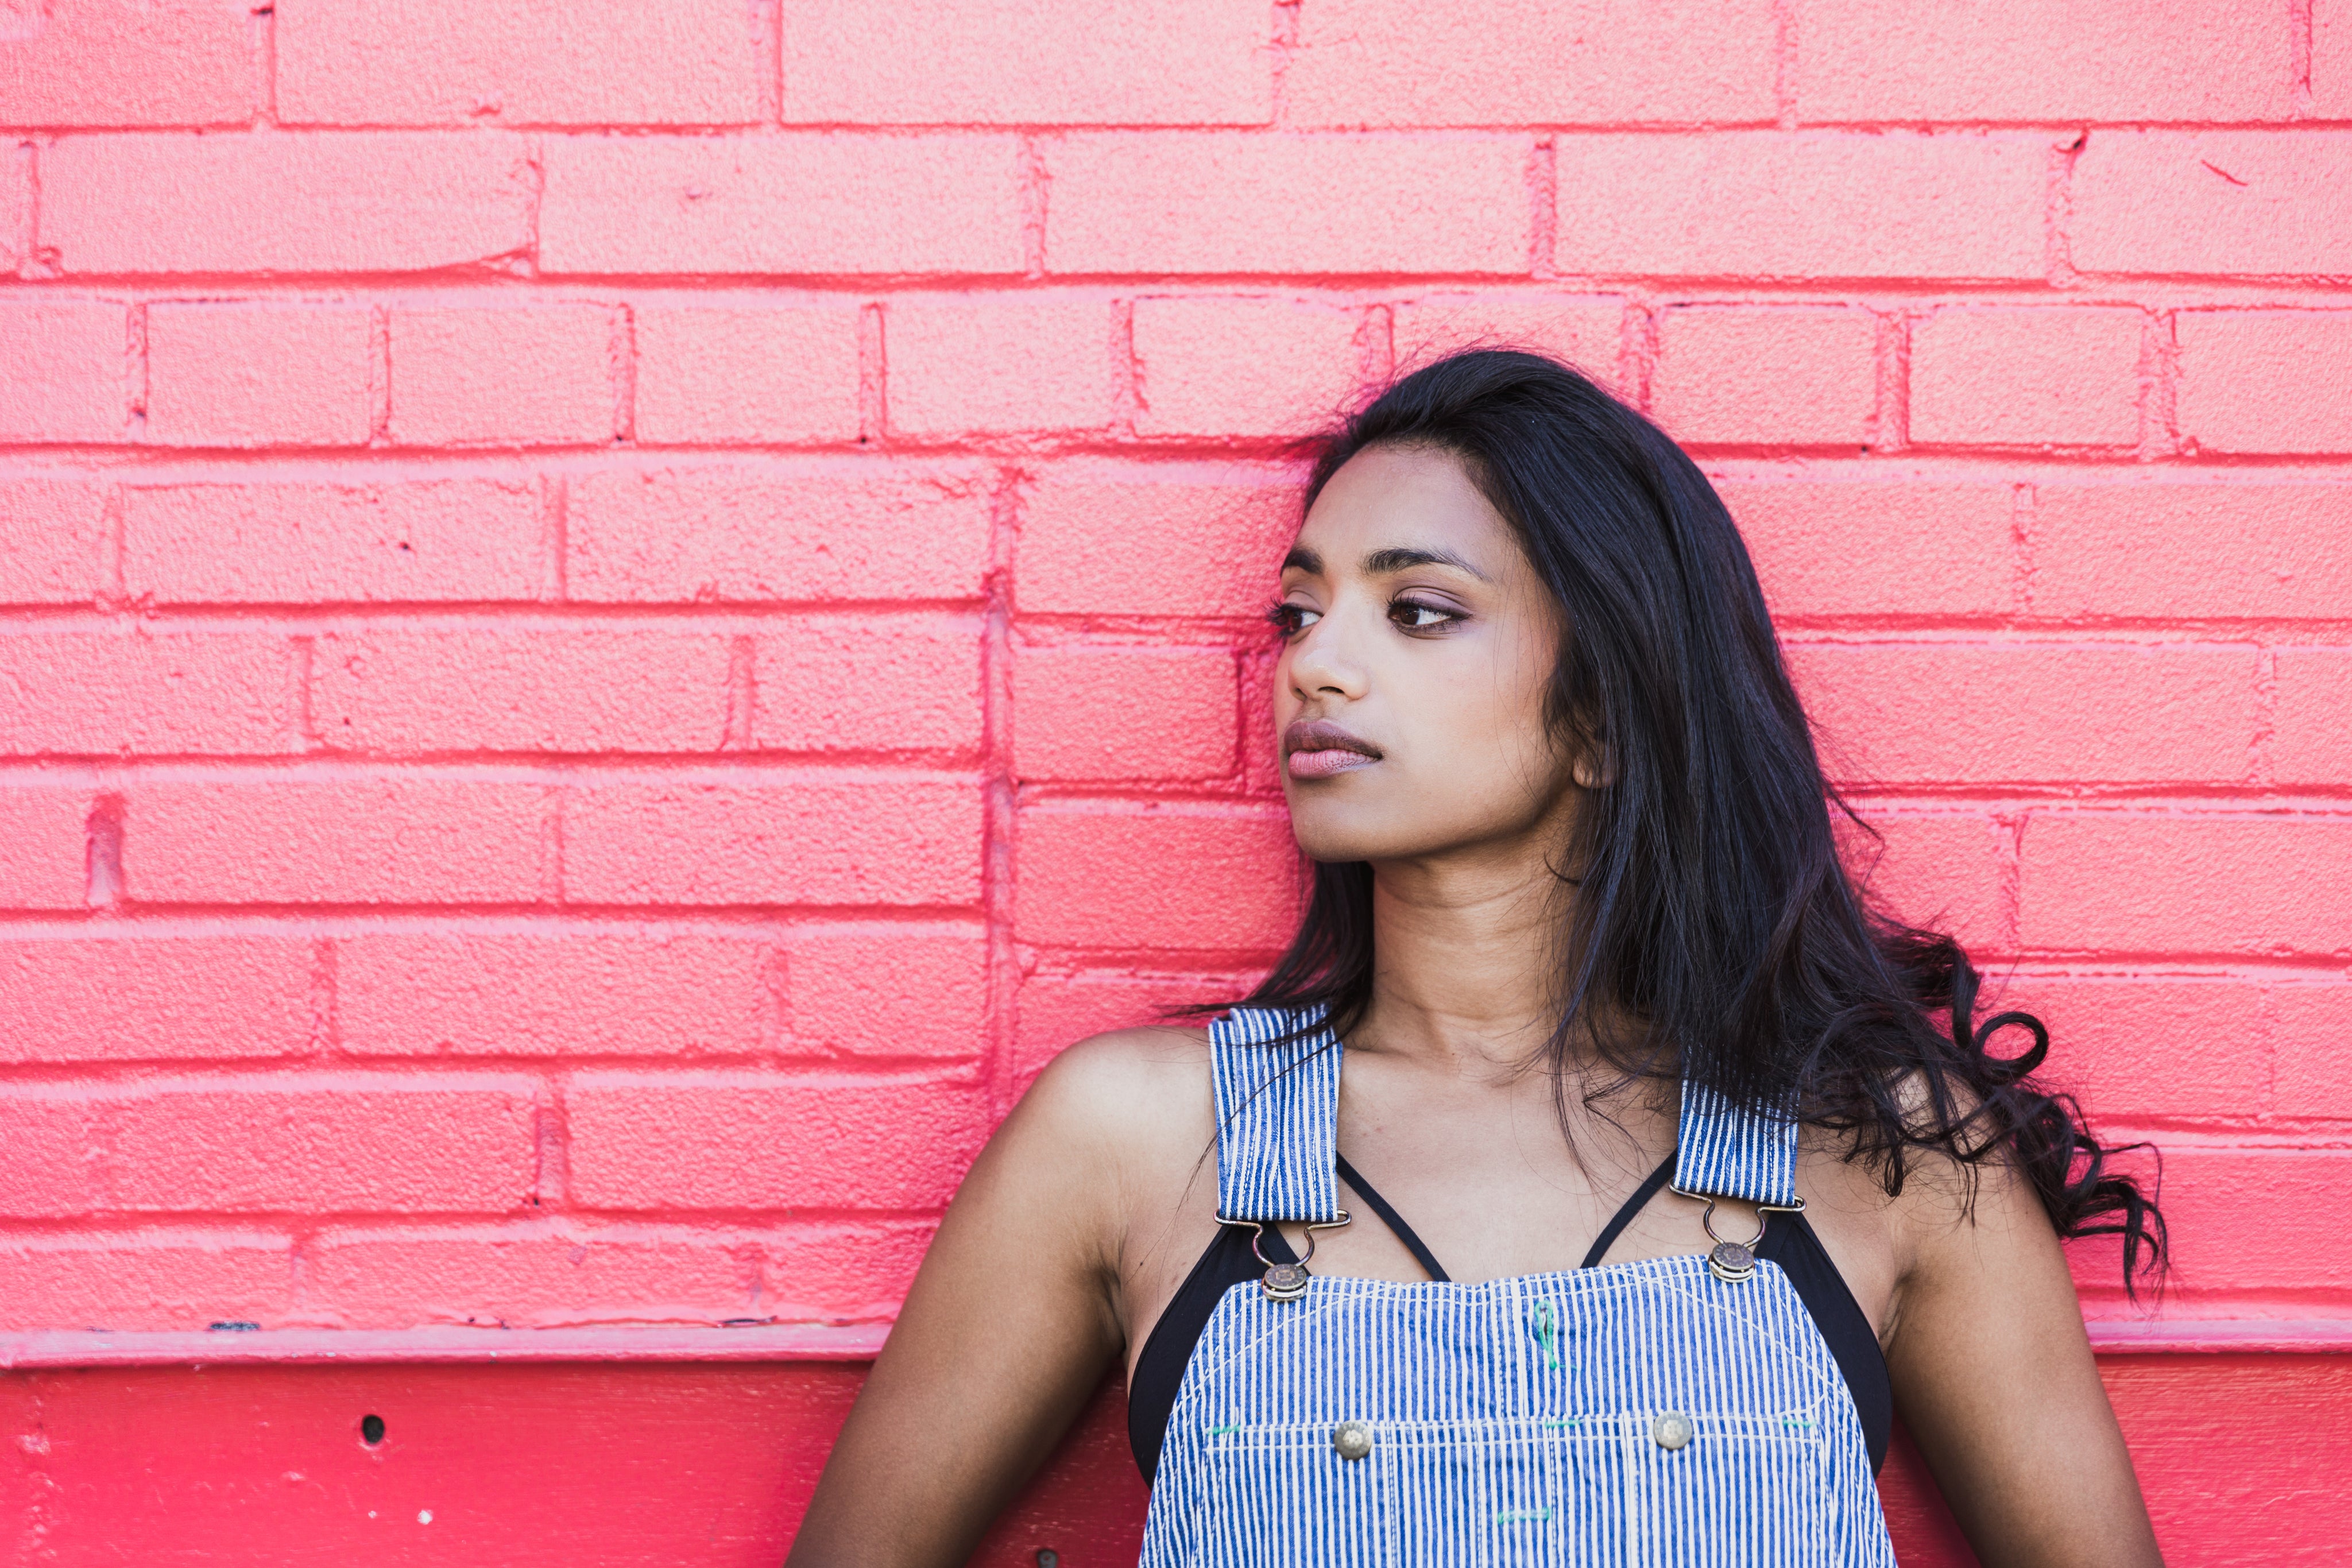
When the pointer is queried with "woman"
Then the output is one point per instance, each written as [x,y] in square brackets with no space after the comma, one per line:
[1643,1170]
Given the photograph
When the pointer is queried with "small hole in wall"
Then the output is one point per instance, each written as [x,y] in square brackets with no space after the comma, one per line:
[371,1430]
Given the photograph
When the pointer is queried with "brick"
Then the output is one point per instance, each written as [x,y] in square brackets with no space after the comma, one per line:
[1118,713]
[1223,366]
[1581,330]
[1863,61]
[2168,551]
[515,62]
[1937,869]
[2315,1032]
[155,997]
[1086,62]
[569,992]
[46,832]
[52,1149]
[2216,1249]
[352,1143]
[2234,204]
[1942,712]
[478,687]
[1224,202]
[541,1278]
[750,374]
[304,1144]
[53,541]
[127,62]
[1767,203]
[534,375]
[758,1141]
[1557,62]
[2310,741]
[2113,881]
[123,691]
[2101,1027]
[814,203]
[402,541]
[2266,380]
[852,1271]
[1141,879]
[129,1281]
[1059,1010]
[1777,375]
[1172,538]
[889,991]
[321,203]
[851,531]
[61,371]
[408,839]
[2038,376]
[1876,548]
[896,683]
[821,839]
[252,374]
[964,363]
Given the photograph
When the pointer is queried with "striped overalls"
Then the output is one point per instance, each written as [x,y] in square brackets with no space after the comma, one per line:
[1654,1412]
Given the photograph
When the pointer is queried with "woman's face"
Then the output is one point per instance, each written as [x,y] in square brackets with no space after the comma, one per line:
[1417,644]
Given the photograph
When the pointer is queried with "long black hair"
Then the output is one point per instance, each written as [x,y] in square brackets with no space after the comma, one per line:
[1714,933]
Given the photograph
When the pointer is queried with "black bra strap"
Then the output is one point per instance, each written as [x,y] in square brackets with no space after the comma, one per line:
[1632,1207]
[1393,1219]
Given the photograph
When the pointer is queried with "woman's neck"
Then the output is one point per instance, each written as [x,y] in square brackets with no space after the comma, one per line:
[1465,960]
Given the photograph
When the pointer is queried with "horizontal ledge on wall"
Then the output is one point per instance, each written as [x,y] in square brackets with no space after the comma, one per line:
[750,1341]
[851,1342]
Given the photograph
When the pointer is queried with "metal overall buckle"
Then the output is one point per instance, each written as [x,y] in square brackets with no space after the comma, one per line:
[1286,1281]
[1734,1261]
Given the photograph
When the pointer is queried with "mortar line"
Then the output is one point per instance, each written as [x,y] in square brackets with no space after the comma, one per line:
[2298,58]
[999,820]
[1543,209]
[1282,42]
[873,390]
[26,169]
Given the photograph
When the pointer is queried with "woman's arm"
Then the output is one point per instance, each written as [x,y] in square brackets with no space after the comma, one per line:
[1994,1377]
[1007,1331]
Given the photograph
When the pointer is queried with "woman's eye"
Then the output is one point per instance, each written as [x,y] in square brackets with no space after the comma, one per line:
[1292,619]
[1415,617]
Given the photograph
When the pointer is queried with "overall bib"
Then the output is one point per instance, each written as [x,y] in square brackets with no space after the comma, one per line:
[1653,1412]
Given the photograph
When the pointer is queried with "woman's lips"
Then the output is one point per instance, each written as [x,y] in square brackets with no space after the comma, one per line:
[1316,749]
[1323,764]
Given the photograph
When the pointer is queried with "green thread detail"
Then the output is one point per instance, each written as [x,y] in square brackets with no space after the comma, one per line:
[1220,1431]
[1548,1333]
[1523,1516]
[1563,1421]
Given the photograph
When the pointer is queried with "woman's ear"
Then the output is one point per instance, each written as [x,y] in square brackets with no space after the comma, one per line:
[1593,767]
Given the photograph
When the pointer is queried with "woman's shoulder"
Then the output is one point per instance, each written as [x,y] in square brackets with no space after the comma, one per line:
[1136,1096]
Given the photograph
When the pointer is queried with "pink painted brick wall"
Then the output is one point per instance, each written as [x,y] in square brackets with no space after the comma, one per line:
[614,621]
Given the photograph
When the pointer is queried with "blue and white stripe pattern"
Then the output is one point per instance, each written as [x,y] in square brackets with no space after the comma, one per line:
[1725,1151]
[1514,1421]
[1277,1081]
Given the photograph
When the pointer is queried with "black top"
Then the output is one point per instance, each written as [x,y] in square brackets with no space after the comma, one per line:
[1789,1241]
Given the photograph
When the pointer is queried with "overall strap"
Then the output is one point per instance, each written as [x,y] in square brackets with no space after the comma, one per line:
[1277,1081]
[1723,1151]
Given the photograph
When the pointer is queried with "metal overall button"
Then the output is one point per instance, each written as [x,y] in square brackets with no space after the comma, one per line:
[1352,1439]
[1671,1431]
[1286,1281]
[1731,1260]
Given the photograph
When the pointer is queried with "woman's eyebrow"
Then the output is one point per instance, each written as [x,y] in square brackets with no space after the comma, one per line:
[1301,559]
[1382,561]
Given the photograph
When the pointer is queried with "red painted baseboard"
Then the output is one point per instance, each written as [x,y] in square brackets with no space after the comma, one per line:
[599,1465]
